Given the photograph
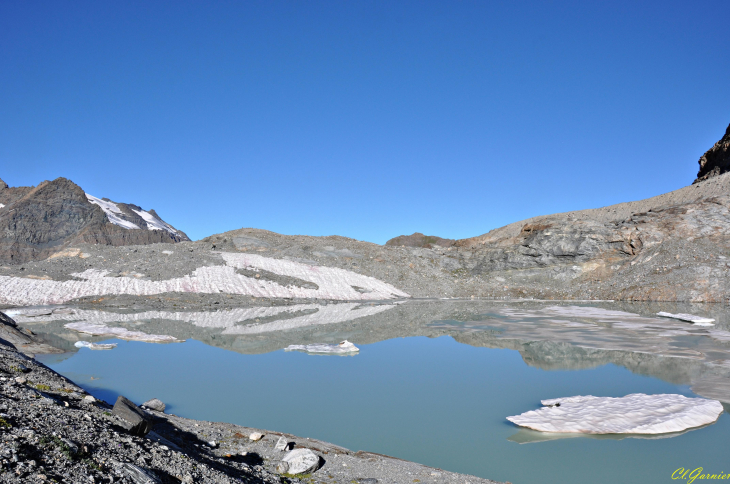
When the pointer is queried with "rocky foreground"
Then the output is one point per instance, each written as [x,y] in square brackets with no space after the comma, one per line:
[51,430]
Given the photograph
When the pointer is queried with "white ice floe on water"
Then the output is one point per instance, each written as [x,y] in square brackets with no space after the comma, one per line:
[633,414]
[112,212]
[344,347]
[121,333]
[331,283]
[95,346]
[697,320]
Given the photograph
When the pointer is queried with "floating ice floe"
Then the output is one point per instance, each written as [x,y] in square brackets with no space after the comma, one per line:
[95,346]
[633,414]
[698,320]
[121,333]
[343,348]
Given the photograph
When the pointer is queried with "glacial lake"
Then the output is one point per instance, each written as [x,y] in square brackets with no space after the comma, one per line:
[433,382]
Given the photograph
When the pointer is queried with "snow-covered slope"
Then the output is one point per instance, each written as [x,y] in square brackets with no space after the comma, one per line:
[131,216]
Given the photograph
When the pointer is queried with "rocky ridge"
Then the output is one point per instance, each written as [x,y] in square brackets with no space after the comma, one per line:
[36,222]
[716,160]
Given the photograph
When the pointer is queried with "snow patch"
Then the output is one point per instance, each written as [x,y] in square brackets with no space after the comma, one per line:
[333,283]
[154,223]
[637,413]
[95,346]
[121,333]
[230,320]
[697,320]
[112,212]
[343,348]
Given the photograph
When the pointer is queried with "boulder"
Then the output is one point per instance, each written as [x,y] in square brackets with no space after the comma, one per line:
[134,419]
[155,404]
[301,461]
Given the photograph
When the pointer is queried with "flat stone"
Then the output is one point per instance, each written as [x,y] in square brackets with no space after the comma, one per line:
[139,475]
[134,419]
[256,436]
[88,399]
[155,404]
[282,444]
[301,461]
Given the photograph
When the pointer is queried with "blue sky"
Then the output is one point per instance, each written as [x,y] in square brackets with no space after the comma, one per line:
[363,119]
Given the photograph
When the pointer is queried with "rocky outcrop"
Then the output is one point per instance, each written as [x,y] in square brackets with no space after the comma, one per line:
[36,222]
[716,160]
[419,240]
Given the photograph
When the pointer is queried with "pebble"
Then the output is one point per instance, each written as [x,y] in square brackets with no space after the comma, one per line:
[21,380]
[88,399]
[256,436]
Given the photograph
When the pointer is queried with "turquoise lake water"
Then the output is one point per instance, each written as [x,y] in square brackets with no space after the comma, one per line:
[430,400]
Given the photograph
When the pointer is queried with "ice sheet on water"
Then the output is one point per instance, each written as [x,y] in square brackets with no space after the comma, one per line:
[344,347]
[637,413]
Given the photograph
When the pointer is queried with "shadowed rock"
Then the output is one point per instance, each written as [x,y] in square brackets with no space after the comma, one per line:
[134,419]
[716,160]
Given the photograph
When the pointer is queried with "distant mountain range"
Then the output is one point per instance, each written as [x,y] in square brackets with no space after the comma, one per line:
[36,222]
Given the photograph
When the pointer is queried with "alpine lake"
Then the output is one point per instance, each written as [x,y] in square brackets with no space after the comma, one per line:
[433,382]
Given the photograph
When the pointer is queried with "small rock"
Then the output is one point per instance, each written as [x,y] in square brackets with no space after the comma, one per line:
[282,444]
[212,444]
[88,399]
[72,447]
[136,421]
[21,380]
[155,404]
[256,436]
[282,467]
[301,461]
[23,368]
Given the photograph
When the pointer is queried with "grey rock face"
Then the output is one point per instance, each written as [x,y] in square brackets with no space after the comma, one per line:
[716,160]
[135,420]
[36,222]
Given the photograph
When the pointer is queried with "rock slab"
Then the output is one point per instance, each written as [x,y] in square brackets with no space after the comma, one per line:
[134,419]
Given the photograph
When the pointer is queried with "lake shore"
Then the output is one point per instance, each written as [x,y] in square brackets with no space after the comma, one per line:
[54,431]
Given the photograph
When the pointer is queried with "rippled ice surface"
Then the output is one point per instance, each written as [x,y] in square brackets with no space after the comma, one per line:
[433,383]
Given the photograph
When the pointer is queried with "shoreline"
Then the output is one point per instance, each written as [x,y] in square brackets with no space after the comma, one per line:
[52,430]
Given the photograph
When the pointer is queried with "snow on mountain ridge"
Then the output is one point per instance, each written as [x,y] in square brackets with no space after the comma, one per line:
[116,216]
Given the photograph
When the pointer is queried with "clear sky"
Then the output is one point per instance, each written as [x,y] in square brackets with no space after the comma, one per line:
[359,118]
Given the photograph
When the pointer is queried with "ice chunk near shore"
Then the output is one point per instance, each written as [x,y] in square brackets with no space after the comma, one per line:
[121,333]
[95,346]
[633,414]
[697,320]
[344,347]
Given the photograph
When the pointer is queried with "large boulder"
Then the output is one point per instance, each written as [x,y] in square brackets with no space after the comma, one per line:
[134,419]
[716,160]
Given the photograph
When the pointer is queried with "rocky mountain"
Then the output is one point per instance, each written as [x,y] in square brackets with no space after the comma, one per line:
[36,222]
[716,160]
[672,247]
